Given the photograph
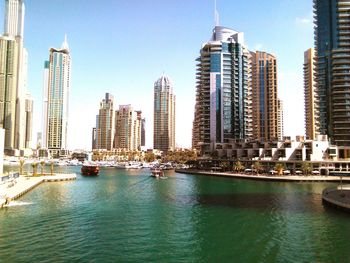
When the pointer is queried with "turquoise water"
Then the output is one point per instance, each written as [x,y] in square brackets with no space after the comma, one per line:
[123,216]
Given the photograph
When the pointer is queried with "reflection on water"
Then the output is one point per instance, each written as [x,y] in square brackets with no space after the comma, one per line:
[127,216]
[304,203]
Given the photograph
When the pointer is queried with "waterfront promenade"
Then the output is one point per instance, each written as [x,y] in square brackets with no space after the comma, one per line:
[266,177]
[21,185]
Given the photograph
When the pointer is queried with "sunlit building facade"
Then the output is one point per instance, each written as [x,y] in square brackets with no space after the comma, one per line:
[311,112]
[105,127]
[127,128]
[59,77]
[265,96]
[14,62]
[223,109]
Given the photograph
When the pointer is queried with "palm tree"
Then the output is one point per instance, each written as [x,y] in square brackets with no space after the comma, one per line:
[51,167]
[238,167]
[224,165]
[279,168]
[42,163]
[306,168]
[35,166]
[258,167]
[21,163]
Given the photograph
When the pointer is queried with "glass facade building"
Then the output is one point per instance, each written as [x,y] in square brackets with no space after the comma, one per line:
[223,108]
[332,41]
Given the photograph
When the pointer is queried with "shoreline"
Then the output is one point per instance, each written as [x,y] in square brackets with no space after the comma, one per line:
[264,177]
[26,184]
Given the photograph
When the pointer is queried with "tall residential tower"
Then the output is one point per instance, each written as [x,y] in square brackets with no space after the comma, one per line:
[58,86]
[15,116]
[223,108]
[105,124]
[164,115]
[265,99]
[127,128]
[311,117]
[332,34]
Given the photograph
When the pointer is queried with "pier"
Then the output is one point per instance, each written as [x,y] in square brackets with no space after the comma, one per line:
[14,189]
[338,197]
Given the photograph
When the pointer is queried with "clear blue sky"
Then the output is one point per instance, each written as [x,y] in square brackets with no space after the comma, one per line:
[122,47]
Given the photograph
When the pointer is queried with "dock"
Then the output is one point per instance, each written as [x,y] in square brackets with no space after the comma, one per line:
[338,197]
[22,185]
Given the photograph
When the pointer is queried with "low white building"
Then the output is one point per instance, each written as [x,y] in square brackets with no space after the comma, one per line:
[2,141]
[298,149]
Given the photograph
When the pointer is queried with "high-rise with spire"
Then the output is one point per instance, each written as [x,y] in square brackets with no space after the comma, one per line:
[14,115]
[164,115]
[56,93]
[223,108]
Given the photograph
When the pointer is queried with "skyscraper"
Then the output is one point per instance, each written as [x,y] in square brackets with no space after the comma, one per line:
[105,124]
[332,34]
[16,133]
[8,88]
[311,119]
[58,86]
[164,115]
[127,128]
[143,132]
[14,18]
[265,99]
[223,108]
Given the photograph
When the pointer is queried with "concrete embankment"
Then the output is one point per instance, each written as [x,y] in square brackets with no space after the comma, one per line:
[14,189]
[337,197]
[264,177]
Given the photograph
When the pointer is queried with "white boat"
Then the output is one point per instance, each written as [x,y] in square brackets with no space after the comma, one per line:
[130,165]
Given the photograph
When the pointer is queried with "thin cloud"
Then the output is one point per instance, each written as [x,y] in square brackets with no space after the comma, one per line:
[307,20]
[258,46]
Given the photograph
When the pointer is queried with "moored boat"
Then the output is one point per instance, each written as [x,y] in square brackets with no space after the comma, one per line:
[157,173]
[90,169]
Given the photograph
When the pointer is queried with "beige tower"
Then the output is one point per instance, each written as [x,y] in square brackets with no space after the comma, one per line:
[127,128]
[265,100]
[164,115]
[311,124]
[105,124]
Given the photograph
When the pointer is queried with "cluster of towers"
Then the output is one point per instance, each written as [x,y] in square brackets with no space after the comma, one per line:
[118,129]
[124,129]
[327,75]
[16,104]
[236,95]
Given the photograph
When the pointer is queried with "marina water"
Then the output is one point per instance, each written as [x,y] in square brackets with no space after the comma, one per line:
[127,216]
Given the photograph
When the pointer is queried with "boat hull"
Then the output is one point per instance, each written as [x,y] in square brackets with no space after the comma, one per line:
[90,170]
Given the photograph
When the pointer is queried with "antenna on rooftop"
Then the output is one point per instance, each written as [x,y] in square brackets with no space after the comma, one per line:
[216,15]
